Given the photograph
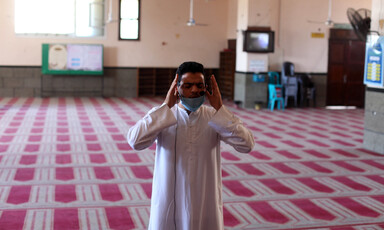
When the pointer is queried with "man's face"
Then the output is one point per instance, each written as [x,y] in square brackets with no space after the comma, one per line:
[191,84]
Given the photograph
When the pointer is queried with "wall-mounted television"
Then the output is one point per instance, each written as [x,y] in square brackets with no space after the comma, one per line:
[259,41]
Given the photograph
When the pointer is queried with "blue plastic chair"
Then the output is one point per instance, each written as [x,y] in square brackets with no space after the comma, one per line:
[275,90]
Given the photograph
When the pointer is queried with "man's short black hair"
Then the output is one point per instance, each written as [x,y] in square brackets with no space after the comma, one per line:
[189,67]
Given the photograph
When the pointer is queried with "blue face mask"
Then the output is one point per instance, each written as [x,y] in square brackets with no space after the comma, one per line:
[192,104]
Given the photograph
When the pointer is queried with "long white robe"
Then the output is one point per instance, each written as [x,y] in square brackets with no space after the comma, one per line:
[186,190]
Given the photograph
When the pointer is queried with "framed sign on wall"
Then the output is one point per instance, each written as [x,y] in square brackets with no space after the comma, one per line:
[72,59]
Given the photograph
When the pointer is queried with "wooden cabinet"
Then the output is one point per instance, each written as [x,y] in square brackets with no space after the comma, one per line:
[345,69]
[227,73]
[156,81]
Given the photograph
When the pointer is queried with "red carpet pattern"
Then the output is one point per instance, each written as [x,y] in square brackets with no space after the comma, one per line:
[65,164]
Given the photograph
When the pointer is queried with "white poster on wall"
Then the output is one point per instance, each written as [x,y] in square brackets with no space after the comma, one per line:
[85,57]
[257,65]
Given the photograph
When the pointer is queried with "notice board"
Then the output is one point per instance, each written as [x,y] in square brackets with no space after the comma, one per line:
[72,59]
[374,61]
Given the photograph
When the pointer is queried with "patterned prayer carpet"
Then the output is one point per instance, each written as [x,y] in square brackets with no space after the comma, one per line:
[65,164]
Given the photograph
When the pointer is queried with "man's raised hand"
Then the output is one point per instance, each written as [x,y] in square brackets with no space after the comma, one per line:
[214,98]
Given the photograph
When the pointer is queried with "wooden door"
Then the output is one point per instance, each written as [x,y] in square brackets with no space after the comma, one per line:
[345,69]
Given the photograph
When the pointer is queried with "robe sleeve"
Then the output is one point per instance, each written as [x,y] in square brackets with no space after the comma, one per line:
[232,130]
[146,130]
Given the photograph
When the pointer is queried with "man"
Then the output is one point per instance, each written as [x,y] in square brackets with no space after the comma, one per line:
[186,191]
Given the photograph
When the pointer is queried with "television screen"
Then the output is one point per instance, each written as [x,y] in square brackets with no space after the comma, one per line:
[259,41]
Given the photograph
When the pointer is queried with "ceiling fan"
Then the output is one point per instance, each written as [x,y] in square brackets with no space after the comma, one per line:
[329,21]
[110,17]
[191,21]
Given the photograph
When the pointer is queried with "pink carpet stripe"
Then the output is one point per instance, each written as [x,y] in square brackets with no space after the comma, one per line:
[298,128]
[266,144]
[63,159]
[341,134]
[66,219]
[94,147]
[229,156]
[24,174]
[97,158]
[348,166]
[12,219]
[376,178]
[313,210]
[370,152]
[110,192]
[118,137]
[11,130]
[224,173]
[374,164]
[131,157]
[6,138]
[28,159]
[379,198]
[317,154]
[315,166]
[259,155]
[277,187]
[269,213]
[31,148]
[356,207]
[238,188]
[315,185]
[63,138]
[65,193]
[345,153]
[318,143]
[318,128]
[64,173]
[292,144]
[19,194]
[253,128]
[141,172]
[284,168]
[103,173]
[344,143]
[249,169]
[63,147]
[147,188]
[3,148]
[351,183]
[123,146]
[119,218]
[89,137]
[272,135]
[318,134]
[296,135]
[62,130]
[229,219]
[276,128]
[35,138]
[37,130]
[288,154]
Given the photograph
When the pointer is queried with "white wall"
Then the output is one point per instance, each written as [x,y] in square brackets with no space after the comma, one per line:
[290,21]
[310,54]
[166,41]
[377,23]
[163,22]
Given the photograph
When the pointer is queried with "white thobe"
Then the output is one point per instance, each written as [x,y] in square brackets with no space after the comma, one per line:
[186,189]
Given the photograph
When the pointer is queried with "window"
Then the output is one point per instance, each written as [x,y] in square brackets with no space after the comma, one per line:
[72,18]
[129,23]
